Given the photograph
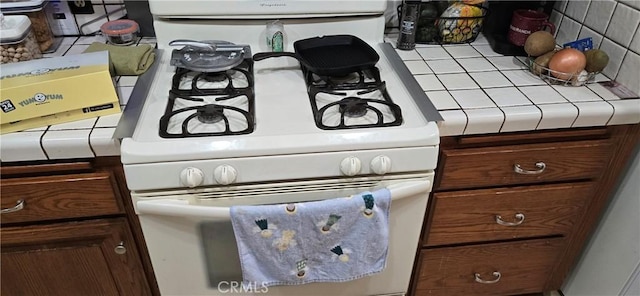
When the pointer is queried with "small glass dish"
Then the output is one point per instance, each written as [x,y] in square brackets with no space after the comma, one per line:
[120,32]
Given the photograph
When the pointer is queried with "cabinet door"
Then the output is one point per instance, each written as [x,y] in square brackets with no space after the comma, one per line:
[97,257]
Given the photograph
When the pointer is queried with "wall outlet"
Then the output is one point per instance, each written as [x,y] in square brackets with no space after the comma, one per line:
[81,7]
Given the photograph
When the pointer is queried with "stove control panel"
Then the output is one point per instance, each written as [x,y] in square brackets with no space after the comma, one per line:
[381,164]
[191,177]
[230,172]
[351,166]
[225,174]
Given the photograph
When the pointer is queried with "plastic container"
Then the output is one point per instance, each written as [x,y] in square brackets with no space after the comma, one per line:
[120,32]
[34,9]
[17,40]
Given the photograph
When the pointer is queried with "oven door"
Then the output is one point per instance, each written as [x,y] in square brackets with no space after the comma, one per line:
[193,249]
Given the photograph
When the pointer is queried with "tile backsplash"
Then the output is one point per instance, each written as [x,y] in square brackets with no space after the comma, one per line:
[613,25]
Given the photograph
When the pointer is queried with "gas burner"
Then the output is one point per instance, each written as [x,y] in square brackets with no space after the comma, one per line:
[217,76]
[353,112]
[187,82]
[210,113]
[353,107]
[212,117]
[354,77]
[351,80]
[357,100]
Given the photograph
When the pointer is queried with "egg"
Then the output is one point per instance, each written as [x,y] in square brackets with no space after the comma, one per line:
[567,63]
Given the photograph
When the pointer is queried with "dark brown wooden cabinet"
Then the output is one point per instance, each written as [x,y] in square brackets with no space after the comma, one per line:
[93,257]
[69,229]
[510,213]
[470,216]
[487,269]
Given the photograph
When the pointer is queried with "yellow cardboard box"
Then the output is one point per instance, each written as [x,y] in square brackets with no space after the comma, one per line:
[55,90]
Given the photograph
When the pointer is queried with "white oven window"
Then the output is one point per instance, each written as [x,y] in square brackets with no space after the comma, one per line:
[222,261]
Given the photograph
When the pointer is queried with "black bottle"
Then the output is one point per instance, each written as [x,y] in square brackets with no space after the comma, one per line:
[408,24]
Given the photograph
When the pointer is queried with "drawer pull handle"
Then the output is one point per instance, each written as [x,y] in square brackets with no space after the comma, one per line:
[540,165]
[519,219]
[496,274]
[19,206]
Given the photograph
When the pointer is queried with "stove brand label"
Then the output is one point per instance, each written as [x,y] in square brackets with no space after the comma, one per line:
[40,99]
[7,106]
[272,4]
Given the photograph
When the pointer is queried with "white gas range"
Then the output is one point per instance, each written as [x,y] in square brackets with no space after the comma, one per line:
[267,131]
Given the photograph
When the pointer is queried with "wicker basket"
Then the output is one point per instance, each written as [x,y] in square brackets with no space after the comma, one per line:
[447,30]
[546,74]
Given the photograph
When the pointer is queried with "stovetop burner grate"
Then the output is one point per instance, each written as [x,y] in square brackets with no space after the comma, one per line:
[205,114]
[356,100]
[188,82]
[203,104]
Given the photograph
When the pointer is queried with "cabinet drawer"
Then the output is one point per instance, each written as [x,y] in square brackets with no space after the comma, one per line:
[517,164]
[506,213]
[493,269]
[59,197]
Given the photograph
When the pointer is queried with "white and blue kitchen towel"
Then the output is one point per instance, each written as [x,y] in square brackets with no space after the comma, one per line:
[333,240]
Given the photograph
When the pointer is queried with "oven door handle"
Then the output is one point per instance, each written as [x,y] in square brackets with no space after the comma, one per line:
[182,208]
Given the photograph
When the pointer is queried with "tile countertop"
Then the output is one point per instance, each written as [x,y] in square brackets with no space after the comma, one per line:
[476,90]
[86,138]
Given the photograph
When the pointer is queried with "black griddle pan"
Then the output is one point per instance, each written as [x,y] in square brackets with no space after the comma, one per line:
[332,55]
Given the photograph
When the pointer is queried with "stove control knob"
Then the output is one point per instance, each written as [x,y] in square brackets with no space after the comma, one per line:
[225,174]
[381,164]
[191,177]
[350,166]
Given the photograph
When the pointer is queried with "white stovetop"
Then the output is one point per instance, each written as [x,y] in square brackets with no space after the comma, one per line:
[284,121]
[494,95]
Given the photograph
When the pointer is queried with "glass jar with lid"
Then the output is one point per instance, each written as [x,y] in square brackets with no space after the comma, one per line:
[17,40]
